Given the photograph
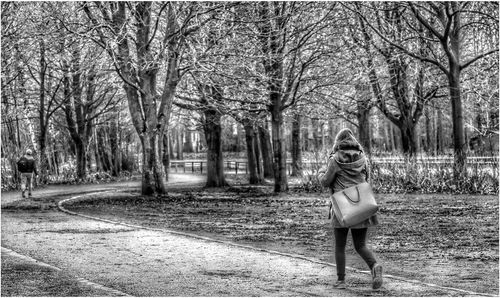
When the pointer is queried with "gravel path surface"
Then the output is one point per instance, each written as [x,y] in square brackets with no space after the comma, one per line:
[144,262]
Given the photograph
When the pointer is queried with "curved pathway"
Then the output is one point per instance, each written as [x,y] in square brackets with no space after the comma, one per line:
[121,259]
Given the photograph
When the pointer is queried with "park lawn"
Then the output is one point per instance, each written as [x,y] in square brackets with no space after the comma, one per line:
[449,240]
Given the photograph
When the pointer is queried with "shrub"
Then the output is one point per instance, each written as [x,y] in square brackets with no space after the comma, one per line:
[425,175]
[422,175]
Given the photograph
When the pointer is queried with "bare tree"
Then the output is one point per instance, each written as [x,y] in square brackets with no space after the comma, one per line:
[89,95]
[446,25]
[130,33]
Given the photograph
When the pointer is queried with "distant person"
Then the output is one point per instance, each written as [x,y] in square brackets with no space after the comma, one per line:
[347,166]
[27,167]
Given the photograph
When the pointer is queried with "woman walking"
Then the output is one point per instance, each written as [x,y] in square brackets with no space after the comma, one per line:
[347,167]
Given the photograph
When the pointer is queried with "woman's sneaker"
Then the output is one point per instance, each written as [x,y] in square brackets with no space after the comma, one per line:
[377,276]
[340,284]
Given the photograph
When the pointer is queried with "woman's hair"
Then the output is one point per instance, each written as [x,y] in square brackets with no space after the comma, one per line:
[345,140]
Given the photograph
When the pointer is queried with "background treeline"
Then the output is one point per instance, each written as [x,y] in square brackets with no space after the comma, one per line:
[101,89]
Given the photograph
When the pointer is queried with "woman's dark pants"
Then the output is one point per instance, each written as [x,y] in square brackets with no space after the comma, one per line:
[359,240]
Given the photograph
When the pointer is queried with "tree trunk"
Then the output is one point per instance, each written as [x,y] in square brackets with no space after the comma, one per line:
[492,115]
[141,127]
[188,145]
[180,143]
[170,145]
[113,142]
[408,139]
[363,115]
[331,133]
[101,145]
[251,154]
[43,162]
[147,166]
[439,132]
[459,167]
[258,159]
[215,160]
[395,138]
[109,152]
[388,145]
[160,175]
[166,154]
[43,170]
[238,146]
[296,148]
[307,135]
[429,146]
[364,130]
[153,133]
[55,158]
[280,179]
[81,161]
[266,150]
[118,152]
[98,161]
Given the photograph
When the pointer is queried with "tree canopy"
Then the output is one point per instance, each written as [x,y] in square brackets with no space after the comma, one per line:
[122,86]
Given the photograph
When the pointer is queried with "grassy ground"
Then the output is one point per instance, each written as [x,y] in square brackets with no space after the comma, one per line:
[443,239]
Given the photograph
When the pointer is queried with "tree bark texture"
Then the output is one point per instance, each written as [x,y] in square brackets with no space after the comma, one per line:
[396,140]
[180,142]
[331,133]
[459,144]
[429,141]
[307,135]
[171,151]
[166,154]
[251,154]
[43,117]
[363,115]
[215,161]
[115,148]
[267,152]
[188,144]
[439,132]
[280,178]
[389,140]
[296,148]
[258,155]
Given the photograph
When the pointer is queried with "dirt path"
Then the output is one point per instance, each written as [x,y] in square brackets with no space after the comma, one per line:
[143,262]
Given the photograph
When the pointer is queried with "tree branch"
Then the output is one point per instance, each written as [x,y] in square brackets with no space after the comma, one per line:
[468,63]
[403,49]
